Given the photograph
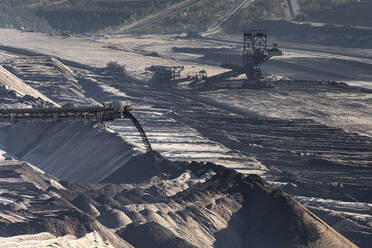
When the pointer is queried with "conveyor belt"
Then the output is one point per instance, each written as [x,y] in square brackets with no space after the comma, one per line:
[80,113]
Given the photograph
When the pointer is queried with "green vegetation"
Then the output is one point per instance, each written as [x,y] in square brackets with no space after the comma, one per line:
[195,19]
[263,10]
[17,14]
[102,16]
[199,18]
[89,16]
[313,6]
[76,16]
[350,14]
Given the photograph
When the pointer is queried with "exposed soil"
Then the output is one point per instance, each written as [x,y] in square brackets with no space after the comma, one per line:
[289,133]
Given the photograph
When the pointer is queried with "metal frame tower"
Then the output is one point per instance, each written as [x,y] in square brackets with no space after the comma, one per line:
[255,42]
[255,53]
[255,50]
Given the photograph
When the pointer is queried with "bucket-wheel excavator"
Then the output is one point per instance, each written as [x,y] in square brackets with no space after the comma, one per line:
[255,53]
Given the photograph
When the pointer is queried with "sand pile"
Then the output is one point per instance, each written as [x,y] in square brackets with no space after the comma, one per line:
[32,205]
[142,168]
[47,240]
[218,208]
[226,210]
[75,152]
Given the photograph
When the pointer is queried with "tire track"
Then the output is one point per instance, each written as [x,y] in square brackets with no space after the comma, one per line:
[214,28]
[155,18]
[295,8]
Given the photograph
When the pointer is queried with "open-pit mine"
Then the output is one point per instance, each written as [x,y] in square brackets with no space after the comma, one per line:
[146,141]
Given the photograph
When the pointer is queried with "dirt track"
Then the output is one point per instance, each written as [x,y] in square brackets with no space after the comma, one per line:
[152,19]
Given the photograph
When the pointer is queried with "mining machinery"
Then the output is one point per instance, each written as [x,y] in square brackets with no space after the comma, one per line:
[108,111]
[255,53]
[166,73]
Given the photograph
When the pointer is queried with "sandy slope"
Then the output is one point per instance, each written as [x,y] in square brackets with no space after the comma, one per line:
[11,82]
[218,208]
[70,151]
[40,72]
[227,210]
[47,240]
[32,205]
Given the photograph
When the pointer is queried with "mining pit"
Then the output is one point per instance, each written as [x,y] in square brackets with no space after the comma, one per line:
[234,162]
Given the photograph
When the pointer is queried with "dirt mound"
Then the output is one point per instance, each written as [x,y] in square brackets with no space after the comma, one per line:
[114,218]
[157,237]
[85,205]
[228,210]
[32,202]
[47,240]
[143,167]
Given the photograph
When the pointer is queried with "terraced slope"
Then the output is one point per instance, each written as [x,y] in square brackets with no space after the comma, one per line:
[11,82]
[41,72]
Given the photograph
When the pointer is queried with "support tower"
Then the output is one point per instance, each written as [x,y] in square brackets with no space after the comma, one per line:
[255,52]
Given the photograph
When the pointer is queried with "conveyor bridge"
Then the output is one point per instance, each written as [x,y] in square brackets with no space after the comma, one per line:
[107,112]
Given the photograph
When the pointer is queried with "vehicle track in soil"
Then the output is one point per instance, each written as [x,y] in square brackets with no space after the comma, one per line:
[184,125]
[287,144]
[152,19]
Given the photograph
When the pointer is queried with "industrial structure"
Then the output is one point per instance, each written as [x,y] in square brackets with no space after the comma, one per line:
[173,74]
[107,112]
[255,53]
[166,73]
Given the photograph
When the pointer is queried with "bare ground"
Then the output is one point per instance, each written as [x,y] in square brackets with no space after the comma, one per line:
[299,134]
